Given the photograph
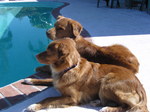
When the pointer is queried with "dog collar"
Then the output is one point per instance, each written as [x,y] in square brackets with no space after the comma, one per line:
[64,71]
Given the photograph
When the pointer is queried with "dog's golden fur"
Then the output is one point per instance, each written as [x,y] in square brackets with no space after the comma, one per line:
[81,81]
[115,54]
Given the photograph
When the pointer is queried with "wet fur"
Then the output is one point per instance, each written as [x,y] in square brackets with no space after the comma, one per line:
[80,81]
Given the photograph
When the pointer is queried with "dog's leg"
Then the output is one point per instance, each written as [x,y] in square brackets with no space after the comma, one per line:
[127,94]
[109,105]
[46,82]
[53,102]
[136,100]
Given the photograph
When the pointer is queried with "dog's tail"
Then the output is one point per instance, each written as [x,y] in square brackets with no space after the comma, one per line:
[142,105]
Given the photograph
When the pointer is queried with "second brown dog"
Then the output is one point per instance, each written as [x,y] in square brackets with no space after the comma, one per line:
[115,54]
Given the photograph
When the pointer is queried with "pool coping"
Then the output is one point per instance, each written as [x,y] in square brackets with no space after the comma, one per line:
[17,92]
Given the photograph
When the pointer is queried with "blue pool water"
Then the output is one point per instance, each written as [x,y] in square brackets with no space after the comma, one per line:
[22,36]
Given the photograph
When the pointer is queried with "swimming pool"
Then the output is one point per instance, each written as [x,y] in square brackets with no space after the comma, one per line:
[22,36]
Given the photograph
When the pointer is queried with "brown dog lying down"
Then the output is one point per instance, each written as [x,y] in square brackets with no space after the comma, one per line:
[115,54]
[81,81]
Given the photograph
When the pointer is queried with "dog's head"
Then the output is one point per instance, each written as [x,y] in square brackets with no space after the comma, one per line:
[60,53]
[64,27]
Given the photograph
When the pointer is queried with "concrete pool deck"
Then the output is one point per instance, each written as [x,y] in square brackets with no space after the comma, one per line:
[106,26]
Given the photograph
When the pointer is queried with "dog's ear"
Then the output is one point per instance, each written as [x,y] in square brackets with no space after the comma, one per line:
[77,28]
[60,17]
[68,54]
[62,50]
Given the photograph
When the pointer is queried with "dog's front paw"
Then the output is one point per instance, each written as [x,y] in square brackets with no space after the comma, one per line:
[28,81]
[33,108]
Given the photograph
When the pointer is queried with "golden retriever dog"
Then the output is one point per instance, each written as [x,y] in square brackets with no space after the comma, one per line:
[115,54]
[80,81]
